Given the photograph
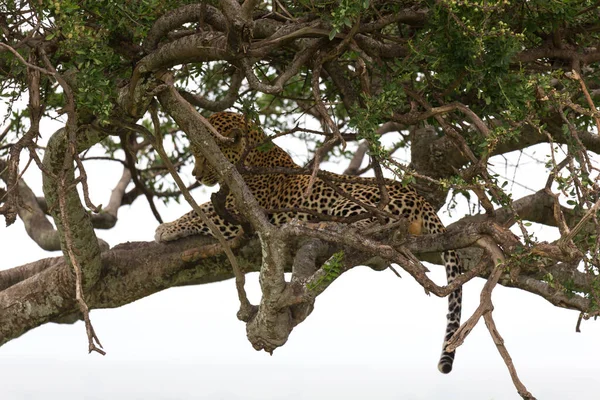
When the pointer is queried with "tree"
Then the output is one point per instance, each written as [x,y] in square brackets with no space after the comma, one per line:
[462,81]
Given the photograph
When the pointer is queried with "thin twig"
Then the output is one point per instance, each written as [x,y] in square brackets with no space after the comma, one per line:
[86,192]
[577,77]
[499,342]
[581,223]
[29,65]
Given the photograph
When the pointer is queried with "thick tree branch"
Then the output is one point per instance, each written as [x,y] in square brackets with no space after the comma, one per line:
[129,272]
[44,290]
[176,18]
[12,276]
[85,243]
[36,223]
[201,47]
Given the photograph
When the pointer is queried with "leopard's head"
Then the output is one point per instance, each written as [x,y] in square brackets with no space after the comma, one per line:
[229,125]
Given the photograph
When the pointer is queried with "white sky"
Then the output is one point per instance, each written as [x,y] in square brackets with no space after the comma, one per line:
[371,335]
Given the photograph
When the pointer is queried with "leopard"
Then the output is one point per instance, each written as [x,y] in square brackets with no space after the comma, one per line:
[284,197]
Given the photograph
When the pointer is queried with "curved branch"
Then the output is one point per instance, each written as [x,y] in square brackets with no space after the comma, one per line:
[201,47]
[36,224]
[377,49]
[175,18]
[217,105]
[38,227]
[302,57]
[407,16]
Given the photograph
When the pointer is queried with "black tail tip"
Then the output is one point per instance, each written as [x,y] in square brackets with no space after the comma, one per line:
[445,367]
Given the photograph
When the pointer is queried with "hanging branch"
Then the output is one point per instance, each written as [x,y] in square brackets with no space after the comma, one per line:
[36,109]
[93,341]
[246,308]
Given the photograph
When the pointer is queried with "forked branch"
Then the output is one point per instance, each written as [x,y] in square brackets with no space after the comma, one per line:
[485,309]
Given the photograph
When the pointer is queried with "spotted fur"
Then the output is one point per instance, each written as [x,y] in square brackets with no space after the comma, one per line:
[284,191]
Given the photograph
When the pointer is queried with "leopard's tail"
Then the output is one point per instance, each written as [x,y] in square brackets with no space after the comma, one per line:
[453,269]
[432,224]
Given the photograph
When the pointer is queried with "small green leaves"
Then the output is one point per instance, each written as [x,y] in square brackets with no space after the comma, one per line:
[346,15]
[332,34]
[332,269]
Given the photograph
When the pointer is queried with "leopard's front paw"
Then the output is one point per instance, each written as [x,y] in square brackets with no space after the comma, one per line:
[169,231]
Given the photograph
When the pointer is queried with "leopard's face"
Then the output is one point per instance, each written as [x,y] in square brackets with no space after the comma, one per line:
[228,125]
[206,173]
[203,171]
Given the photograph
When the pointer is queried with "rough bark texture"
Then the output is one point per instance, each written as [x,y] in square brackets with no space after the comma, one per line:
[40,292]
[128,272]
[84,238]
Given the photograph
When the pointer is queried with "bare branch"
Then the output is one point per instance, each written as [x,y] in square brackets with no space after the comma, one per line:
[218,105]
[117,194]
[300,59]
[36,224]
[29,65]
[521,389]
[36,111]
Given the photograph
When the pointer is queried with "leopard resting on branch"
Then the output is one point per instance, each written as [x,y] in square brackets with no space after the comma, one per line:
[276,191]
